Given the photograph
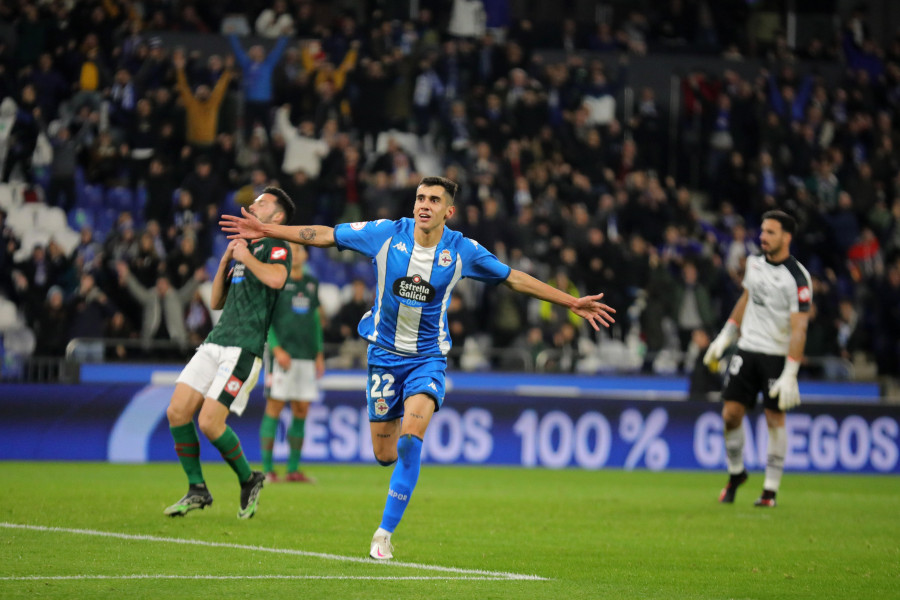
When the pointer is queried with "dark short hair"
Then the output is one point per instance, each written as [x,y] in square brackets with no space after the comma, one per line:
[284,202]
[788,223]
[449,186]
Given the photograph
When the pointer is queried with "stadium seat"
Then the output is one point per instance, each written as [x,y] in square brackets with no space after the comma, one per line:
[79,217]
[220,243]
[8,199]
[90,196]
[212,265]
[9,316]
[52,218]
[329,299]
[104,221]
[140,201]
[24,218]
[230,205]
[120,198]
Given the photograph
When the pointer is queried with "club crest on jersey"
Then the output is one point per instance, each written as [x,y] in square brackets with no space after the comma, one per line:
[381,407]
[233,386]
[415,289]
[278,254]
[358,225]
[803,294]
[445,259]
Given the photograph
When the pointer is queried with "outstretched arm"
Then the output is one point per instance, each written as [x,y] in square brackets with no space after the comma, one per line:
[248,227]
[587,307]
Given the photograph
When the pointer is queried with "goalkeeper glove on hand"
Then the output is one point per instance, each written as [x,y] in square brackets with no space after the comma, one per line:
[786,388]
[719,345]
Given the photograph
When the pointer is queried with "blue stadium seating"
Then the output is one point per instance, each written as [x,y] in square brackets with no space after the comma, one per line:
[120,198]
[80,217]
[90,196]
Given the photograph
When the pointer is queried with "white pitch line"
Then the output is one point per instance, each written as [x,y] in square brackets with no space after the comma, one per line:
[240,577]
[153,538]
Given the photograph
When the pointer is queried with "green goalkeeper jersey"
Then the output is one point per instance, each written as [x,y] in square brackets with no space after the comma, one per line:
[248,309]
[296,326]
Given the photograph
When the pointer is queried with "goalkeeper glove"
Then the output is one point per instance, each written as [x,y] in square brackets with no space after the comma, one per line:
[786,387]
[719,345]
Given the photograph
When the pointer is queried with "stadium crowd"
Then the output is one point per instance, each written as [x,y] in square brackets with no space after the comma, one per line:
[143,145]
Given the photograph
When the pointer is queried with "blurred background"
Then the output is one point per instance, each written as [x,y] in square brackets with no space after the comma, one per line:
[619,147]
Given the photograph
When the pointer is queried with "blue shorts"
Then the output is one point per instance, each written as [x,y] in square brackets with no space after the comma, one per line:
[389,385]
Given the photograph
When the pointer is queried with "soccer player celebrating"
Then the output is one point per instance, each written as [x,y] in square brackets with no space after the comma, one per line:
[294,362]
[769,321]
[417,261]
[219,377]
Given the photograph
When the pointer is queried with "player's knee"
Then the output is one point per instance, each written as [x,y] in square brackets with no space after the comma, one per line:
[386,456]
[211,426]
[177,414]
[732,418]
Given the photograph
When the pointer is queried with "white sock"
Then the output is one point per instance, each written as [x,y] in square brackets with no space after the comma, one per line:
[777,448]
[734,450]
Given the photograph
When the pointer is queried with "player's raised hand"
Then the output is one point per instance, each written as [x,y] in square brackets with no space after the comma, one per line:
[593,311]
[246,227]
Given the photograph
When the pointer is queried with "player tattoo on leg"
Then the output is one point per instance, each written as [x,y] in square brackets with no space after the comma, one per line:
[412,414]
[307,233]
[383,435]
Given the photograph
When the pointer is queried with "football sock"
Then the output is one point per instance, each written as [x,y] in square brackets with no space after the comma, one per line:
[267,429]
[295,440]
[187,447]
[734,450]
[777,448]
[229,446]
[403,480]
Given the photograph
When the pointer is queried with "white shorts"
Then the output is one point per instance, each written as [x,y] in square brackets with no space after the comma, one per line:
[224,373]
[297,383]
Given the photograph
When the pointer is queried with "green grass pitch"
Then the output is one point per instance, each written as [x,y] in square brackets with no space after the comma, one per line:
[469,533]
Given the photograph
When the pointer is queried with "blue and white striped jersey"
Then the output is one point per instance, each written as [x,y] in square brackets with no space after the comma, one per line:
[414,283]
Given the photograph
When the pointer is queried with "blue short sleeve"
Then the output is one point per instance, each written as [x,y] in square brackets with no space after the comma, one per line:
[481,265]
[365,237]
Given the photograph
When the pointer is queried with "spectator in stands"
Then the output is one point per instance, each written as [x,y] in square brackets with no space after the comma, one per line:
[183,262]
[106,160]
[207,193]
[50,87]
[146,264]
[50,324]
[692,305]
[18,137]
[89,308]
[256,80]
[275,21]
[303,151]
[202,107]
[66,149]
[162,305]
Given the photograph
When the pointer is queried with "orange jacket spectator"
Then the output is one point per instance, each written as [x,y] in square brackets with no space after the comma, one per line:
[202,109]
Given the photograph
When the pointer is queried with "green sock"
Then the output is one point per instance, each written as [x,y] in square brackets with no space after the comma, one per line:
[295,439]
[267,430]
[229,446]
[187,447]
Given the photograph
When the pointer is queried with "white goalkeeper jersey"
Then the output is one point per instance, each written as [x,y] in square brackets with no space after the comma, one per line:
[775,291]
